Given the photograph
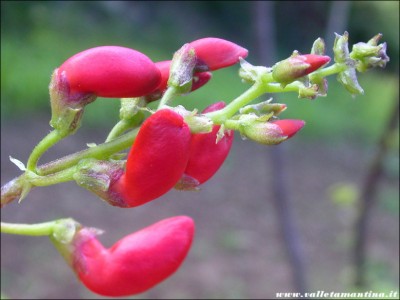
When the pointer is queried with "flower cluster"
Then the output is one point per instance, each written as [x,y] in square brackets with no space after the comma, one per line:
[170,147]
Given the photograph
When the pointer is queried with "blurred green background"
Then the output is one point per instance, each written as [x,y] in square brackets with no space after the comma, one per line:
[341,132]
[37,36]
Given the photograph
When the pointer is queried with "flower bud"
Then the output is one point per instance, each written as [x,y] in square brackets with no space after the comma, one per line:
[181,70]
[264,108]
[341,47]
[309,92]
[268,133]
[111,71]
[98,176]
[250,73]
[296,66]
[214,53]
[318,47]
[66,108]
[289,127]
[349,80]
[156,161]
[131,112]
[208,152]
[199,79]
[370,55]
[135,263]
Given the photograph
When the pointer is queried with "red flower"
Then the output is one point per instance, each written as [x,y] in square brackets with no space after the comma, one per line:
[315,61]
[199,79]
[111,71]
[214,53]
[135,263]
[156,160]
[296,66]
[289,127]
[206,154]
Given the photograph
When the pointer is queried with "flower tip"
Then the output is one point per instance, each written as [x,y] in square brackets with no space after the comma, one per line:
[289,127]
[215,53]
[315,61]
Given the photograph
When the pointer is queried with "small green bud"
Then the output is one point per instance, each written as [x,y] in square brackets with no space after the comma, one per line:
[260,130]
[370,55]
[341,47]
[297,66]
[309,92]
[181,72]
[318,47]
[263,108]
[250,73]
[349,79]
[198,123]
[66,111]
[97,176]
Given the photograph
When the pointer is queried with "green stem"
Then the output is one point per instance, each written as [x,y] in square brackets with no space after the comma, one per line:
[169,94]
[48,141]
[220,116]
[102,151]
[232,124]
[62,176]
[40,229]
[335,68]
[118,129]
[277,88]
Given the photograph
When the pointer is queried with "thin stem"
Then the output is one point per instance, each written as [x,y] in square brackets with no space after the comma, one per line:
[62,176]
[102,151]
[335,68]
[232,124]
[277,88]
[169,94]
[48,141]
[220,116]
[118,129]
[40,229]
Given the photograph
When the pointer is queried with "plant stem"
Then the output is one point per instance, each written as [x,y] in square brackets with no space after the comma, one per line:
[118,129]
[169,94]
[220,116]
[40,229]
[62,176]
[335,68]
[48,141]
[102,151]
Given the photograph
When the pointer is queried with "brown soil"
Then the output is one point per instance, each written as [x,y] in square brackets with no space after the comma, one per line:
[238,250]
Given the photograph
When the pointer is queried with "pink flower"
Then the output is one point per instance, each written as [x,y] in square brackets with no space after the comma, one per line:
[214,53]
[110,71]
[135,263]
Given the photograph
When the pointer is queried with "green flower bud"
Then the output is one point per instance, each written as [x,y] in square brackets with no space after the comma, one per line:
[181,72]
[264,107]
[318,47]
[309,92]
[349,79]
[297,66]
[370,55]
[341,47]
[250,73]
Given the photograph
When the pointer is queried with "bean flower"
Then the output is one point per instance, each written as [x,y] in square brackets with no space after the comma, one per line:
[199,79]
[111,71]
[270,132]
[298,66]
[215,53]
[135,263]
[207,153]
[156,160]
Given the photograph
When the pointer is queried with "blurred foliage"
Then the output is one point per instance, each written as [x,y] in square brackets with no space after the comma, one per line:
[37,36]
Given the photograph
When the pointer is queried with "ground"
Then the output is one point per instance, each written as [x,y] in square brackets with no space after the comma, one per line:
[238,250]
